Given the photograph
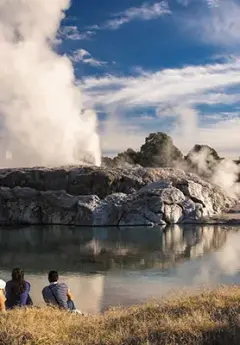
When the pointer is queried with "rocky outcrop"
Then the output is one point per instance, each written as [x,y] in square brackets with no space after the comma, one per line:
[237,162]
[123,159]
[107,197]
[130,157]
[203,160]
[29,206]
[157,151]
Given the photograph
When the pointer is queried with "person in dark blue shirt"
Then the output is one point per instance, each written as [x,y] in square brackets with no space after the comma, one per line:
[18,290]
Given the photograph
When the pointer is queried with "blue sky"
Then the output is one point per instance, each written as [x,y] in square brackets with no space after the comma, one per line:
[148,66]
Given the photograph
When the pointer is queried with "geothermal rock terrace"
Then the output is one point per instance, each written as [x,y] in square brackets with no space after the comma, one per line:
[97,196]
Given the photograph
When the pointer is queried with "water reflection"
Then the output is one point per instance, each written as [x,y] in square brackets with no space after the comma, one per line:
[108,266]
[102,249]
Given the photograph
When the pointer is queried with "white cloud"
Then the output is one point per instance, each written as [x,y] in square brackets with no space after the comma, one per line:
[213,3]
[197,84]
[173,92]
[145,12]
[225,115]
[184,2]
[73,33]
[83,56]
[223,136]
[220,25]
[118,134]
[210,3]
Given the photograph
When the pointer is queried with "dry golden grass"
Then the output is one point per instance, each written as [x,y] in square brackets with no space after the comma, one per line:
[209,318]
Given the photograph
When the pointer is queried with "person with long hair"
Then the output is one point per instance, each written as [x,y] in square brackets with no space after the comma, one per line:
[17,290]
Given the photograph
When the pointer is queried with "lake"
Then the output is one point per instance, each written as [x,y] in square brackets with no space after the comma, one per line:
[109,266]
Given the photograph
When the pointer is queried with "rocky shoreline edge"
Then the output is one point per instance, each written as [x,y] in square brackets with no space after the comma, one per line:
[98,196]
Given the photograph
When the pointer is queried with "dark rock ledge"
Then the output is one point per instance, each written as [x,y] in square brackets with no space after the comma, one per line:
[91,196]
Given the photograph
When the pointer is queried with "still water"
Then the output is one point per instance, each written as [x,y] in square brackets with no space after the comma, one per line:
[109,267]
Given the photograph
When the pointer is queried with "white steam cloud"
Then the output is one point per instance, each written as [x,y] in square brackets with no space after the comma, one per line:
[226,176]
[224,173]
[42,117]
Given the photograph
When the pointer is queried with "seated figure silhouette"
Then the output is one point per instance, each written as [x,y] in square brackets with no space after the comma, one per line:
[18,290]
[58,294]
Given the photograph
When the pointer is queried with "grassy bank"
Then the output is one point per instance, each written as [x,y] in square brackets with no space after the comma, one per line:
[209,318]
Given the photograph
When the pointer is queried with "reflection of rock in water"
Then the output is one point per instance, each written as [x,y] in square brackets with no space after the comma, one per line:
[189,243]
[74,249]
[77,251]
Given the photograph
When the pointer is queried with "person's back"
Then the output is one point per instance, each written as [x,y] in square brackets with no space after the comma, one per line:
[56,293]
[17,290]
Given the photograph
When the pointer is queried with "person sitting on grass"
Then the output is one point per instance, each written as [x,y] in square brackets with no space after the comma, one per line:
[17,290]
[2,296]
[58,294]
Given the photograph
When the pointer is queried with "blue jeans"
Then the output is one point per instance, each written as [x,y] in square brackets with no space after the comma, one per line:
[71,305]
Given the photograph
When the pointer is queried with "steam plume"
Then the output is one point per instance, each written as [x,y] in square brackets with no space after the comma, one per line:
[224,173]
[226,176]
[42,117]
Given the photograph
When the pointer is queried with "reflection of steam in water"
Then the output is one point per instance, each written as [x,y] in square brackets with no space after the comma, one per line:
[190,244]
[72,249]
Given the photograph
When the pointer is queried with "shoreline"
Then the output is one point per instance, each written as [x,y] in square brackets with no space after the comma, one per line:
[211,316]
[221,221]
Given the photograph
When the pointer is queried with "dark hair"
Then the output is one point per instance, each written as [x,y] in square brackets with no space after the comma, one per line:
[53,276]
[18,282]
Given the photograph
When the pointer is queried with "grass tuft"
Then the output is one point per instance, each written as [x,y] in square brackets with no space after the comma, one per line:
[212,317]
